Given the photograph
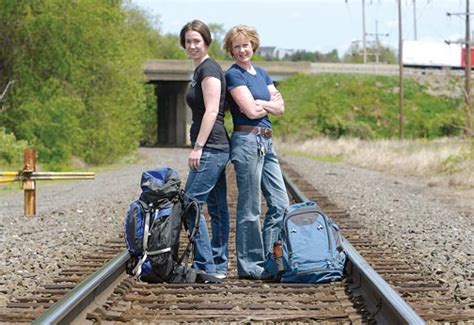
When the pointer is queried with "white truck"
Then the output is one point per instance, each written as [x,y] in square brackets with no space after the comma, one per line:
[433,54]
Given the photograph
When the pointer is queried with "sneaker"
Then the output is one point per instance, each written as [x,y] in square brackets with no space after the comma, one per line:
[262,276]
[221,276]
[203,277]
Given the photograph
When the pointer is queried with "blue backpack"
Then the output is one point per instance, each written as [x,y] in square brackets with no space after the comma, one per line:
[311,250]
[152,229]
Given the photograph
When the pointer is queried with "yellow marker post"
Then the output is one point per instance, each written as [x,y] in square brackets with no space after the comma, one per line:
[29,185]
[28,176]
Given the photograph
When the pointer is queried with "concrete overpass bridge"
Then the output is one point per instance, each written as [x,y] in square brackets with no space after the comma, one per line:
[171,79]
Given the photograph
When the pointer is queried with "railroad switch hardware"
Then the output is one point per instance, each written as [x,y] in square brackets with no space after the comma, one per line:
[28,177]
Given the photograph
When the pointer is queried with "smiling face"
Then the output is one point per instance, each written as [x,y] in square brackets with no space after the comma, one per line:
[195,45]
[242,50]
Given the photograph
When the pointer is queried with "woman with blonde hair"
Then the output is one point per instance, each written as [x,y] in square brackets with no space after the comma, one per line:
[252,97]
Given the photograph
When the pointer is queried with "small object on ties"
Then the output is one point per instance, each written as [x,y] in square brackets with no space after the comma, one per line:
[278,253]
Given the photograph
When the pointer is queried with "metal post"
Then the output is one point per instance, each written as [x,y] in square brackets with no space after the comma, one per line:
[467,70]
[364,44]
[29,185]
[414,19]
[400,62]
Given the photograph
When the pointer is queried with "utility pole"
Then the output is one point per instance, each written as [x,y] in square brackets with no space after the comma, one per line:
[364,45]
[364,34]
[414,19]
[467,69]
[377,52]
[400,63]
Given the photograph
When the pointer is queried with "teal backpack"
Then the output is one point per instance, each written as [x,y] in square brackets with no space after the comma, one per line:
[311,250]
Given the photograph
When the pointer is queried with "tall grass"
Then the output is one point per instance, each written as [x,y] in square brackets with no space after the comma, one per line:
[449,160]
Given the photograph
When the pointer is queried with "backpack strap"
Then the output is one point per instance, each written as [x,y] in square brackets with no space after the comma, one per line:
[189,204]
[146,231]
[158,213]
[160,251]
[137,270]
[181,271]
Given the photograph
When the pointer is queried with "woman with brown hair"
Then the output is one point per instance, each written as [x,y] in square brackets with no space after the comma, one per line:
[208,159]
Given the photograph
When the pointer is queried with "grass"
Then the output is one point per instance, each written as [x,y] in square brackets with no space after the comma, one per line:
[364,107]
[445,160]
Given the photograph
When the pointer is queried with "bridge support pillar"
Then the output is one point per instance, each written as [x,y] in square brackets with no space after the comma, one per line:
[174,116]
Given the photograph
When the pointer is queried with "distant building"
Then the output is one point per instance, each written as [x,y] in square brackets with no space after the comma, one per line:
[272,52]
[281,53]
[267,52]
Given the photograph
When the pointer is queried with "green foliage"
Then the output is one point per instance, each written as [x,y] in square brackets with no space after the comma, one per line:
[11,150]
[79,78]
[51,122]
[376,52]
[149,118]
[218,33]
[363,106]
[303,55]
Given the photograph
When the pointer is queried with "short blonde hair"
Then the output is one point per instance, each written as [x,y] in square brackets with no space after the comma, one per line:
[243,31]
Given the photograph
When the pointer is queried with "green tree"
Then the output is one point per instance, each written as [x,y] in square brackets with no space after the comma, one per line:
[218,33]
[79,79]
[303,55]
[375,51]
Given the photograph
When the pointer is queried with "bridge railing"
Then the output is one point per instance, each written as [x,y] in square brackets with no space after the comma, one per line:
[182,70]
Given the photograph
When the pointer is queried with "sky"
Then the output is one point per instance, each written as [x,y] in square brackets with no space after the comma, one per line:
[318,25]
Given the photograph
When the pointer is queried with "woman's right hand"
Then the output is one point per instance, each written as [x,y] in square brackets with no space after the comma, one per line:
[194,158]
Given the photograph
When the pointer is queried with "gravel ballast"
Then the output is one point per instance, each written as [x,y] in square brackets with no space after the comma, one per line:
[74,217]
[431,226]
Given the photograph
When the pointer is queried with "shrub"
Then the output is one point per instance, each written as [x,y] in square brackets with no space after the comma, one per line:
[11,150]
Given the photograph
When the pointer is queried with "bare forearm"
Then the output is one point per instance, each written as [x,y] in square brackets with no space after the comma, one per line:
[275,107]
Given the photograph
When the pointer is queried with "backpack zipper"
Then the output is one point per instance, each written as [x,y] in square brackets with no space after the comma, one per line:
[290,250]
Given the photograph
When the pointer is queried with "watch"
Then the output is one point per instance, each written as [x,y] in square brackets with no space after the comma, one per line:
[198,146]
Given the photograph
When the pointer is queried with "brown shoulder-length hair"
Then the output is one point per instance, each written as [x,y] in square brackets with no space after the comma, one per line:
[243,31]
[197,26]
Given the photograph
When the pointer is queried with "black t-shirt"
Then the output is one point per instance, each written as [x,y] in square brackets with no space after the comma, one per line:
[218,138]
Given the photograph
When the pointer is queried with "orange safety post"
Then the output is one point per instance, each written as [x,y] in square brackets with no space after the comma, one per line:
[28,185]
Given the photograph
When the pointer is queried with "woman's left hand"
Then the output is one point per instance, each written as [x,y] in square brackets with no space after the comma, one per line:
[276,96]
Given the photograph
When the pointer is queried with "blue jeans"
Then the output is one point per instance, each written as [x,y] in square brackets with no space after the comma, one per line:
[208,184]
[257,173]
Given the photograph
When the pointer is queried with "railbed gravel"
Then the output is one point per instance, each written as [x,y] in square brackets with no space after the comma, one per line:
[74,217]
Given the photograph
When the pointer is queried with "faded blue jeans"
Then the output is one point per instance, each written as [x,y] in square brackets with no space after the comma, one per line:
[257,173]
[208,184]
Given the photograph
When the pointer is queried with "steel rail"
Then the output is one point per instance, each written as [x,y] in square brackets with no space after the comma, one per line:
[73,303]
[382,301]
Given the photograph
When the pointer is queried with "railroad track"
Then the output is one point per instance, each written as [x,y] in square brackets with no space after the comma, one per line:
[356,299]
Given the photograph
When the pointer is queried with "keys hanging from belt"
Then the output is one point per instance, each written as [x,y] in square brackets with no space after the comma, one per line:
[261,149]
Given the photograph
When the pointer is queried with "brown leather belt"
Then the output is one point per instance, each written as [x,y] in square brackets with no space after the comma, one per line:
[255,129]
